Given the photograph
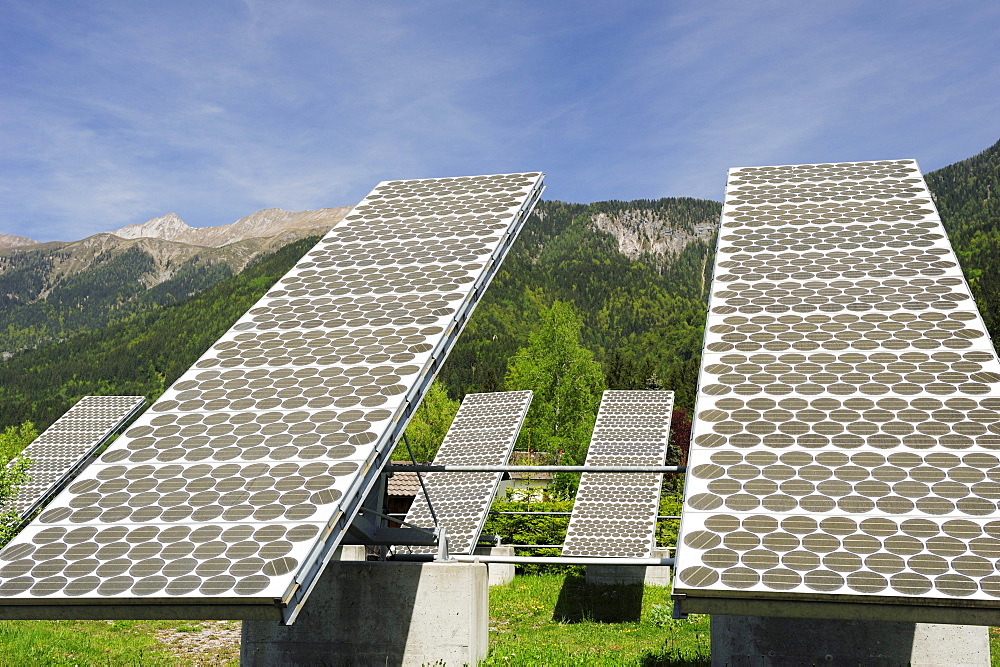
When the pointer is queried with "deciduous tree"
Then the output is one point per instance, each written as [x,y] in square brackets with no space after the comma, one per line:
[429,425]
[13,473]
[566,381]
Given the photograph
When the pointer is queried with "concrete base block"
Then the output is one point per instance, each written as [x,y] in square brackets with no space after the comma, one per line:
[501,574]
[350,552]
[604,575]
[744,641]
[381,613]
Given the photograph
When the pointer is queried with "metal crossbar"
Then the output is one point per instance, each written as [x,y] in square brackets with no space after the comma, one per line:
[545,560]
[660,518]
[396,467]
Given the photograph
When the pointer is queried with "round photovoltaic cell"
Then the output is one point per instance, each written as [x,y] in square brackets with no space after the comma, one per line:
[483,433]
[849,396]
[614,515]
[224,486]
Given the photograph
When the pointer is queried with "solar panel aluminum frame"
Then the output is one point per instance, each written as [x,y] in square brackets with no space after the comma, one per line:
[82,461]
[369,477]
[438,483]
[612,405]
[312,556]
[865,606]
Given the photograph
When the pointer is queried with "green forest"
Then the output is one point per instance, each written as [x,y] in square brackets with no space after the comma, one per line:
[967,194]
[637,318]
[565,289]
[113,289]
[138,355]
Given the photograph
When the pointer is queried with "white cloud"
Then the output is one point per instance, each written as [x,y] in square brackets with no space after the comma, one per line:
[115,114]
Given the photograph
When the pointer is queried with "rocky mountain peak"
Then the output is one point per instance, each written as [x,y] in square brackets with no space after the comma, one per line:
[11,241]
[267,223]
[654,232]
[168,227]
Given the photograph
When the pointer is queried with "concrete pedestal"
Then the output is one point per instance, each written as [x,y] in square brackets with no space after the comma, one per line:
[744,641]
[381,613]
[501,574]
[656,575]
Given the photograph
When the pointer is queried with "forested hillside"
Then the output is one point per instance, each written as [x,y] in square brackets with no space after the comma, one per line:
[641,316]
[636,294]
[141,355]
[51,291]
[112,288]
[967,194]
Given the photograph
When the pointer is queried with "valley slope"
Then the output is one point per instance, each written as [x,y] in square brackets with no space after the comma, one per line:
[636,272]
[49,291]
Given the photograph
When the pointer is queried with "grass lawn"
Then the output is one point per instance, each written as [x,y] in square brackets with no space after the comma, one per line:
[557,620]
[537,620]
[139,643]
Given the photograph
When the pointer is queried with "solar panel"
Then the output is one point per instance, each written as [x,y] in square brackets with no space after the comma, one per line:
[59,453]
[614,515]
[229,495]
[483,433]
[847,429]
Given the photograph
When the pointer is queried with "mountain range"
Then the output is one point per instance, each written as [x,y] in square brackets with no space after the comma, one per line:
[266,223]
[116,315]
[51,290]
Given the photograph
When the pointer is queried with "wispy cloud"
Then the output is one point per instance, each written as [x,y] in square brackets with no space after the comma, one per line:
[113,114]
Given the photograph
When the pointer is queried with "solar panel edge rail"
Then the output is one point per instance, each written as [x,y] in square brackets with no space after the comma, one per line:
[229,495]
[614,515]
[61,451]
[483,433]
[844,455]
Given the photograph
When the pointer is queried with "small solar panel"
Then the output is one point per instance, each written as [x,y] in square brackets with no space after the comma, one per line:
[847,435]
[483,433]
[59,453]
[236,486]
[615,513]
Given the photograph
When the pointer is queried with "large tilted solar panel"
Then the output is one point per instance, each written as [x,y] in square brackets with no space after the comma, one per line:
[227,497]
[614,515]
[483,433]
[846,445]
[66,445]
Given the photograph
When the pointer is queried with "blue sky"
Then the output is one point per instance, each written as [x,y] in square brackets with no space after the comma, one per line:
[112,113]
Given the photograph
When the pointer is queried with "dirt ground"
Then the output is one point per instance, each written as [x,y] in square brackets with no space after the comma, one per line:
[203,643]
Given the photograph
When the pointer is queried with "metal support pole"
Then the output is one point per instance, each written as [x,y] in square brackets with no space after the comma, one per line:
[420,479]
[442,555]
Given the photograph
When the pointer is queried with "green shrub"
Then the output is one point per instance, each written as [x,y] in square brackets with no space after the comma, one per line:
[531,529]
[13,473]
[671,501]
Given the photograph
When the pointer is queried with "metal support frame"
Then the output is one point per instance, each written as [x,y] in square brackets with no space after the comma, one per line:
[397,467]
[405,523]
[543,560]
[368,534]
[423,486]
[662,517]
